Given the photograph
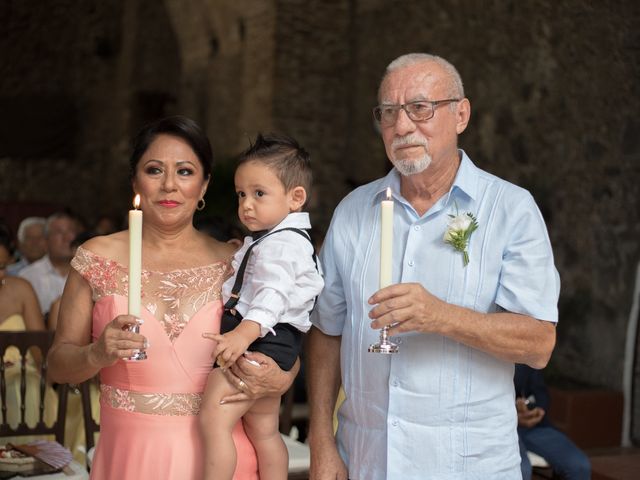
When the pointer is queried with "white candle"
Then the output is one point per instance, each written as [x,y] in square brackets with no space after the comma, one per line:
[135,257]
[386,240]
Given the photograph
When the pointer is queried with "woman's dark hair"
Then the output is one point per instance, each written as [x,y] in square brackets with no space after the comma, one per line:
[5,238]
[178,126]
[81,238]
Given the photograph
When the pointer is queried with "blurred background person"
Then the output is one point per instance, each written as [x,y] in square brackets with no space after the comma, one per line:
[106,225]
[32,244]
[49,274]
[18,303]
[54,310]
[19,311]
[538,435]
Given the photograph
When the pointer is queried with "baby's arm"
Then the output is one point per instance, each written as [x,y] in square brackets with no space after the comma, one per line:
[234,343]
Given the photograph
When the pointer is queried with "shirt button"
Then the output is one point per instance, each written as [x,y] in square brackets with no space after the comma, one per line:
[394,383]
[410,263]
[394,423]
[416,228]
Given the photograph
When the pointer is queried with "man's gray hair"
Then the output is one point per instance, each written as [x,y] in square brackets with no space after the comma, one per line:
[55,216]
[456,89]
[28,222]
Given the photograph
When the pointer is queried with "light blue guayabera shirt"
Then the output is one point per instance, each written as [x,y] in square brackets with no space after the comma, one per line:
[437,409]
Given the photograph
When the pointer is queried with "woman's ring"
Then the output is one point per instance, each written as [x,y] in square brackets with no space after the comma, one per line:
[241,385]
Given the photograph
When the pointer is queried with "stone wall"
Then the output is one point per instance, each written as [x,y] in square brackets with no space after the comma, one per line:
[554,94]
[313,93]
[553,87]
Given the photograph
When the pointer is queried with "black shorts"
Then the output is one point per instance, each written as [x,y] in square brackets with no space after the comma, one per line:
[283,347]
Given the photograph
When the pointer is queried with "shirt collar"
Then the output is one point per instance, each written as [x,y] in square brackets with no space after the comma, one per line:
[294,220]
[49,268]
[466,180]
[392,181]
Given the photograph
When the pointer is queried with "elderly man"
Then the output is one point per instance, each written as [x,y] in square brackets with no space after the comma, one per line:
[31,243]
[49,274]
[471,295]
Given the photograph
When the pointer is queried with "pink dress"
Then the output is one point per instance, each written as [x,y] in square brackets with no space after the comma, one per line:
[148,408]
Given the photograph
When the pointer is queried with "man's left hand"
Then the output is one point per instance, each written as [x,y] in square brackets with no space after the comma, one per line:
[260,375]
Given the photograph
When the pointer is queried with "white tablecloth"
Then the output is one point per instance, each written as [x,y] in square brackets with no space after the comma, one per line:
[73,471]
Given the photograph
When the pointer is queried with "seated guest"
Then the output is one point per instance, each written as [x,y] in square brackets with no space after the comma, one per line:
[54,310]
[17,298]
[105,225]
[18,312]
[32,245]
[49,274]
[536,434]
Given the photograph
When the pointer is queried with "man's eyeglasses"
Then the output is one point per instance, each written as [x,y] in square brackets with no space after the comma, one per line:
[418,111]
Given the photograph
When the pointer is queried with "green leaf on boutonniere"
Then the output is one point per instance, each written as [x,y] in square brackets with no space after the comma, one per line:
[459,231]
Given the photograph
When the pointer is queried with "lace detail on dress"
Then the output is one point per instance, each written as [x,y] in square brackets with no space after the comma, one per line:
[105,276]
[184,291]
[173,404]
[172,297]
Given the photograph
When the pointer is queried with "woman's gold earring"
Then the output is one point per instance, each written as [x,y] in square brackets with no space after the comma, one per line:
[201,205]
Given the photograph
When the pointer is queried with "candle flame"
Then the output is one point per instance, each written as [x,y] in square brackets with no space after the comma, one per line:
[388,193]
[136,201]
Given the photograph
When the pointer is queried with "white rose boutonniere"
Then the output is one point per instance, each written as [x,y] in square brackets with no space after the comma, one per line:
[459,231]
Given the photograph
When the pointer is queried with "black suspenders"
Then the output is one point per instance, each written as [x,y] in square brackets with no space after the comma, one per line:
[237,286]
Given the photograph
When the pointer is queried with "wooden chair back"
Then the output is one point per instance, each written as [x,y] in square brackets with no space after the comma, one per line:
[90,425]
[299,454]
[286,412]
[24,341]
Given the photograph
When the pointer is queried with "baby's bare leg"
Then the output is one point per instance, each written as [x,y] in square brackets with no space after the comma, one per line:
[261,425]
[216,424]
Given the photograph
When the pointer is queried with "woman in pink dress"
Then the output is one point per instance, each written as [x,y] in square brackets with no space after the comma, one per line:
[148,407]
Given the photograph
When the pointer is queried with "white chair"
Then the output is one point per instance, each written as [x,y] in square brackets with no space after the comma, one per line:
[299,454]
[299,458]
[537,461]
[90,454]
[630,364]
[541,468]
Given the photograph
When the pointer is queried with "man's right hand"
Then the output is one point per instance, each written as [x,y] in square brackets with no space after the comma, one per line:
[528,418]
[326,463]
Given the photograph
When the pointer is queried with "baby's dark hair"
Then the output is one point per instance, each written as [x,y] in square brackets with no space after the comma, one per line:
[290,162]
